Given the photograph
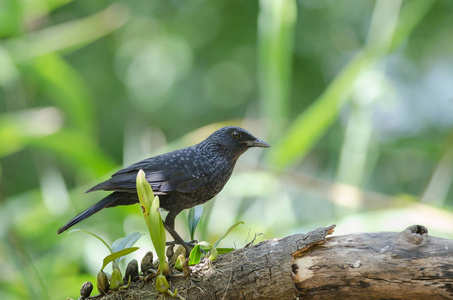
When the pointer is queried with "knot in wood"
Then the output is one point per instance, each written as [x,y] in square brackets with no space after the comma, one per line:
[414,235]
[418,229]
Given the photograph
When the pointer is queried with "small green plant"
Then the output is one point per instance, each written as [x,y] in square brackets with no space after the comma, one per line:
[196,253]
[150,209]
[118,250]
[193,218]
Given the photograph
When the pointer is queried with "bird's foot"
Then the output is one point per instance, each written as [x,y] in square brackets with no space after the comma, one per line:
[188,245]
[177,238]
[191,243]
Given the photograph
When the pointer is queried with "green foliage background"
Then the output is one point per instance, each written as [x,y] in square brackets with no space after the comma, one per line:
[355,98]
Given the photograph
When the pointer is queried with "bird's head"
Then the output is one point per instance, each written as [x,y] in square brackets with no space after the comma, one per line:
[235,140]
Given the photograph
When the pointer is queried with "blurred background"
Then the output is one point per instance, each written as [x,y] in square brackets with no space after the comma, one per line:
[355,97]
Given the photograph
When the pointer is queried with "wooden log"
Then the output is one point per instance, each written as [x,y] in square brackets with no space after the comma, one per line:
[384,265]
[406,265]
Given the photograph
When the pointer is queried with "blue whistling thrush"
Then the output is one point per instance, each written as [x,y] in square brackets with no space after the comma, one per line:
[182,178]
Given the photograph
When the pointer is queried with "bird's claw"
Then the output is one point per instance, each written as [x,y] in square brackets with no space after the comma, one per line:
[190,244]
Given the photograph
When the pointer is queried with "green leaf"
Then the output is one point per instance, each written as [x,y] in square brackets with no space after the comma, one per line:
[180,262]
[113,256]
[18,128]
[77,149]
[411,14]
[95,235]
[116,279]
[125,242]
[195,255]
[276,27]
[300,137]
[157,230]
[115,245]
[9,72]
[162,285]
[11,18]
[207,246]
[194,217]
[150,210]
[227,233]
[68,36]
[224,250]
[213,255]
[67,88]
[311,124]
[145,195]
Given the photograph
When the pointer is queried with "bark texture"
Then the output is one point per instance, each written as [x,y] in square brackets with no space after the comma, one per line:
[406,265]
[384,265]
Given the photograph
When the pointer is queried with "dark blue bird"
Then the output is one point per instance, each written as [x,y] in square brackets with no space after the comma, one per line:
[182,178]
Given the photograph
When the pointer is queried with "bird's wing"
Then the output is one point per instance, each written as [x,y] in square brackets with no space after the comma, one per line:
[149,165]
[125,182]
[183,183]
[163,178]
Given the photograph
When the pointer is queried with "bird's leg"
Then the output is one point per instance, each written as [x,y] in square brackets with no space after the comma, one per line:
[177,238]
[169,225]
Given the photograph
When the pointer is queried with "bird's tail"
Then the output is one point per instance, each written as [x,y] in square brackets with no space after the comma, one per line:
[106,202]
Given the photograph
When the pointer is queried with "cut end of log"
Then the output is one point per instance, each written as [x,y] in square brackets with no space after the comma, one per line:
[382,265]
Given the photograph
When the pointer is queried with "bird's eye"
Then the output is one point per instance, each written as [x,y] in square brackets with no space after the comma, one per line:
[236,135]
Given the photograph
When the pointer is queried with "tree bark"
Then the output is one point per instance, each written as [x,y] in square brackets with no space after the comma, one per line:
[406,265]
[384,265]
